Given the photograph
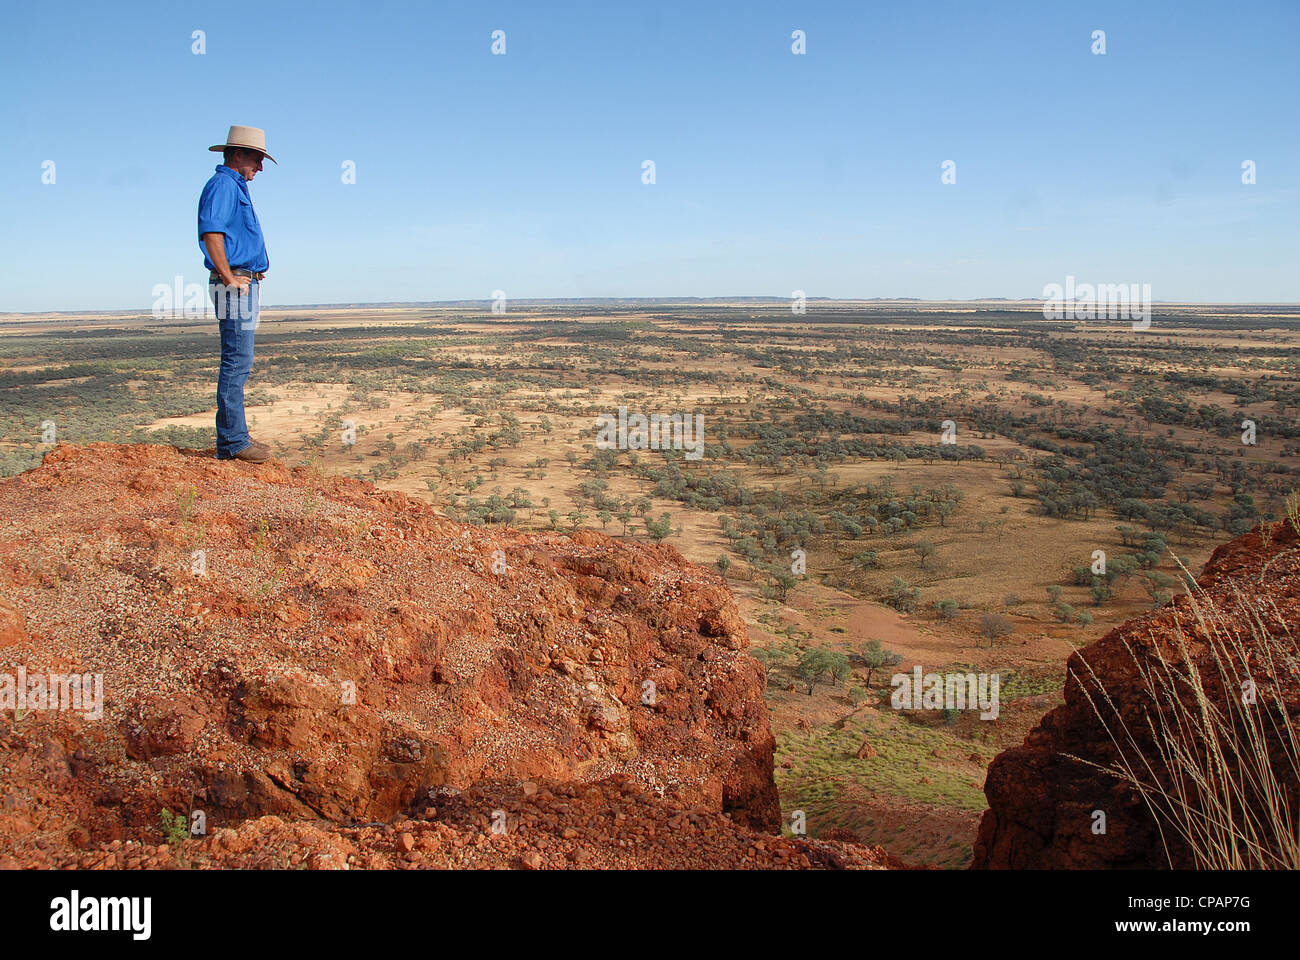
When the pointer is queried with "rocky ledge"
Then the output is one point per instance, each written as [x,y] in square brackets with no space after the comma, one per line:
[331,674]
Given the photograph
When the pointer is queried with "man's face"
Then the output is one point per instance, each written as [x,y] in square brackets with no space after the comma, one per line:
[246,163]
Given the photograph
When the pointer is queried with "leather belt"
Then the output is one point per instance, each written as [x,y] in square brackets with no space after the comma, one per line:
[239,272]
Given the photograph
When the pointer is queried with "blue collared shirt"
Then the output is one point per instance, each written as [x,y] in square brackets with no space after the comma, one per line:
[225,207]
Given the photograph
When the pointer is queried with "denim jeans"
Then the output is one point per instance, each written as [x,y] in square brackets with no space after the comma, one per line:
[237,312]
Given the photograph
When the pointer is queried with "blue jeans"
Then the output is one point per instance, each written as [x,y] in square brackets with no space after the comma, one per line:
[237,312]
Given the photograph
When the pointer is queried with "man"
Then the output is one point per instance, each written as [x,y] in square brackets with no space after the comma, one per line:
[234,252]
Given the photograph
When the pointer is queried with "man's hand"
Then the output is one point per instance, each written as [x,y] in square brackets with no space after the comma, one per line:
[215,243]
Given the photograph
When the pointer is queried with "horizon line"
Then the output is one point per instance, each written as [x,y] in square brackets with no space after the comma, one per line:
[135,311]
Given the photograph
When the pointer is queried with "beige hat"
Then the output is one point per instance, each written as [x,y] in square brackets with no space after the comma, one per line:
[250,138]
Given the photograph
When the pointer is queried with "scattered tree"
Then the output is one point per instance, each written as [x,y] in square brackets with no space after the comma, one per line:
[994,627]
[875,657]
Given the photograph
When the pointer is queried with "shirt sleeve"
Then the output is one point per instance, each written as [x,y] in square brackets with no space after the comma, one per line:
[217,206]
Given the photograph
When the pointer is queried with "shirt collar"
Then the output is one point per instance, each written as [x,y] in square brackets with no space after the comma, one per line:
[239,177]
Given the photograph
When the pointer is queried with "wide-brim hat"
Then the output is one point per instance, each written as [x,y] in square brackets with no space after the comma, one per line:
[250,138]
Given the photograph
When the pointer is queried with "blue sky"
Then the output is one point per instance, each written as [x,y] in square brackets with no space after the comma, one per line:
[774,172]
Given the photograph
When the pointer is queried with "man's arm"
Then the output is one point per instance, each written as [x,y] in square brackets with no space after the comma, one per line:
[215,244]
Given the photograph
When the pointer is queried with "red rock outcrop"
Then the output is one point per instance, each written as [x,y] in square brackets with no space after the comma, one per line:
[1042,803]
[278,644]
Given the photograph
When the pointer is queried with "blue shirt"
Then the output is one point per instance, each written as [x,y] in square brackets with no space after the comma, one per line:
[225,207]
